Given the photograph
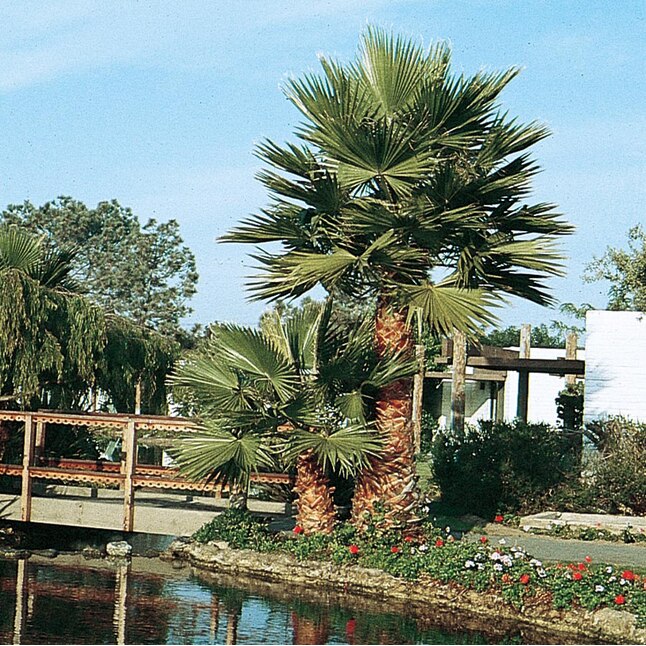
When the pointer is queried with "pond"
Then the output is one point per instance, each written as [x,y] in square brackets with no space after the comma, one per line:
[70,600]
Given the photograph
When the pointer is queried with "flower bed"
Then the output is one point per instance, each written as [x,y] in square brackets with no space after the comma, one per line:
[434,554]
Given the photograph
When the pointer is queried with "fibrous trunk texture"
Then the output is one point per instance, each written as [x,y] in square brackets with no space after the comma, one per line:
[238,494]
[388,485]
[316,513]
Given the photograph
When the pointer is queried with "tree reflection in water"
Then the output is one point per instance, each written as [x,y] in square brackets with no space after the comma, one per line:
[53,602]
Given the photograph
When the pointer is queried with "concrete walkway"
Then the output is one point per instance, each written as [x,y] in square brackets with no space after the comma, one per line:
[547,548]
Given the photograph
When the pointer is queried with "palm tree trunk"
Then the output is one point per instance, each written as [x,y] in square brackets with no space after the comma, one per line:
[316,513]
[238,494]
[389,484]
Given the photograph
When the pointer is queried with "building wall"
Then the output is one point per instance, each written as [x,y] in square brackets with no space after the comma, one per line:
[615,369]
[543,388]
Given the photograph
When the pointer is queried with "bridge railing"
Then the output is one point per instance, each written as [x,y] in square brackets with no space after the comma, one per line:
[127,474]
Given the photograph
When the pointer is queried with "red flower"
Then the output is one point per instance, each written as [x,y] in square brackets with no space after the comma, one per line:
[506,578]
[498,518]
[439,542]
[524,579]
[394,549]
[483,539]
[629,575]
[353,549]
[409,539]
[577,576]
[298,529]
[581,567]
[620,599]
[588,559]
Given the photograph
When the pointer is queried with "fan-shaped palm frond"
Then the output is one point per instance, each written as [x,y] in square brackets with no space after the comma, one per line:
[345,449]
[222,455]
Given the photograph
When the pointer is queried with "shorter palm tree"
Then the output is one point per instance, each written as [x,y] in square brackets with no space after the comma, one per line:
[301,389]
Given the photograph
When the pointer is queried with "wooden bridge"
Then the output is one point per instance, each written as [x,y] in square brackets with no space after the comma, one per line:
[123,495]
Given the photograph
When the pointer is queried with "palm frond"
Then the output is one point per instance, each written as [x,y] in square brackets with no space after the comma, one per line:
[345,449]
[222,455]
[444,308]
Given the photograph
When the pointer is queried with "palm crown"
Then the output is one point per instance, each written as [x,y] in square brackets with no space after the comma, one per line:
[410,183]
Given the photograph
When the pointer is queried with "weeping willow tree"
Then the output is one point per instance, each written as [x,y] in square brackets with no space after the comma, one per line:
[50,336]
[56,346]
[135,355]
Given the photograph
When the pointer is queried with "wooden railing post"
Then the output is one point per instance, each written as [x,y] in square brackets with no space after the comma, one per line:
[128,466]
[40,440]
[27,460]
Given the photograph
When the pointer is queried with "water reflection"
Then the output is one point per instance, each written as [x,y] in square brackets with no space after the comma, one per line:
[103,603]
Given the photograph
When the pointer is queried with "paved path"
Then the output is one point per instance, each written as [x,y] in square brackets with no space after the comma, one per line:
[547,548]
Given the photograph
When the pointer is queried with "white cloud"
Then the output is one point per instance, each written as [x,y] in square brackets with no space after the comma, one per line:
[47,40]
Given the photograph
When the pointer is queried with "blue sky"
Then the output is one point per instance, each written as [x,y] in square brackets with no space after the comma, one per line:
[159,104]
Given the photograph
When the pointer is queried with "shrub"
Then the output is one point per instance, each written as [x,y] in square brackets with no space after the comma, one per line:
[618,476]
[500,465]
[239,529]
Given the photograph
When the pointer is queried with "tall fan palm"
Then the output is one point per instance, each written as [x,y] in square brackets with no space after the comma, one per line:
[303,387]
[409,184]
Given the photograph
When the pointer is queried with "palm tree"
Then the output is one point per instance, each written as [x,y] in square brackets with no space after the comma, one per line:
[409,185]
[301,387]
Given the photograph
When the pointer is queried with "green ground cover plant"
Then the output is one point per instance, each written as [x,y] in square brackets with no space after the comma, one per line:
[435,554]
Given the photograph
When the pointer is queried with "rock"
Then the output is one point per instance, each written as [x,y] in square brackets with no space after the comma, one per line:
[92,553]
[178,565]
[11,553]
[119,549]
[221,545]
[48,554]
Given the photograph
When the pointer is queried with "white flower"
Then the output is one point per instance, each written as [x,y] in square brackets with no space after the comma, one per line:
[479,556]
[541,573]
[612,579]
[480,566]
[423,548]
[494,556]
[518,555]
[502,541]
[599,588]
[535,563]
[469,565]
[623,582]
[447,529]
[507,560]
[497,567]
[609,569]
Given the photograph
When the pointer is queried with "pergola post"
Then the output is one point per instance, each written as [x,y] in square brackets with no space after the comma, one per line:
[128,466]
[27,460]
[523,375]
[458,393]
[570,353]
[418,397]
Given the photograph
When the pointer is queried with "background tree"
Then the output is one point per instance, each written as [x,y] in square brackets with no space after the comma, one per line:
[626,272]
[56,346]
[408,186]
[142,272]
[50,337]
